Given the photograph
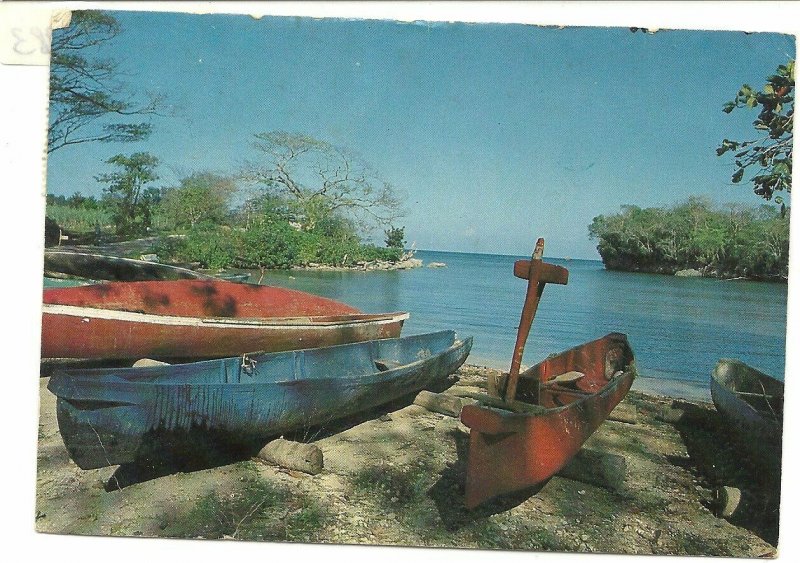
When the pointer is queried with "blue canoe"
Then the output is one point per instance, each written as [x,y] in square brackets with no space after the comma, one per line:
[112,416]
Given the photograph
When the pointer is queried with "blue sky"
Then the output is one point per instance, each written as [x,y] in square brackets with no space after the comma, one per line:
[496,133]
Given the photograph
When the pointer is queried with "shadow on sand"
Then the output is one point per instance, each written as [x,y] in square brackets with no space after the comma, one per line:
[448,492]
[173,452]
[715,454]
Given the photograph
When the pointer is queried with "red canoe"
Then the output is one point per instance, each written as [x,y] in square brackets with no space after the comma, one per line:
[511,451]
[197,318]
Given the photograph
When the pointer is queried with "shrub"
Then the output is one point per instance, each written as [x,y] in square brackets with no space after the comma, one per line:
[269,244]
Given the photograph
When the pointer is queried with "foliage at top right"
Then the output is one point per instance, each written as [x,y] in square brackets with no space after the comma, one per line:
[770,155]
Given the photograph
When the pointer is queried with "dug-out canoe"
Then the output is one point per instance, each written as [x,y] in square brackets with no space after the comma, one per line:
[192,319]
[561,402]
[75,264]
[751,402]
[115,416]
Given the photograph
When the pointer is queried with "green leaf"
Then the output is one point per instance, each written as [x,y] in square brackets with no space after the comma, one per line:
[737,176]
[768,89]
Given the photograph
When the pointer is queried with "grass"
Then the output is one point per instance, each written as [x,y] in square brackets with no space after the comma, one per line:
[400,487]
[80,220]
[256,510]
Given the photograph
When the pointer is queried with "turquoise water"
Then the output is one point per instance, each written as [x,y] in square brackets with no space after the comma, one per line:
[678,327]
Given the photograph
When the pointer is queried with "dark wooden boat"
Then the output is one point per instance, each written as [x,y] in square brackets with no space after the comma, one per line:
[114,416]
[752,404]
[534,423]
[192,319]
[69,264]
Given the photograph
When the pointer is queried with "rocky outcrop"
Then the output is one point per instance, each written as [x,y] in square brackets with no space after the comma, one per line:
[689,273]
[375,265]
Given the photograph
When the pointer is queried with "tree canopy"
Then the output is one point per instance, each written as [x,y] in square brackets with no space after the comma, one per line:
[723,241]
[84,88]
[322,180]
[770,154]
[201,196]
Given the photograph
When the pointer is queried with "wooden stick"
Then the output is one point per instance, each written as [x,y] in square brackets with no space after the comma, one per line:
[293,455]
[532,298]
[727,501]
[624,412]
[450,405]
[596,467]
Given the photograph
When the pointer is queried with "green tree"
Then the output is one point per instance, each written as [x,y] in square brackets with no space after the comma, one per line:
[130,201]
[769,155]
[395,237]
[322,180]
[202,196]
[86,97]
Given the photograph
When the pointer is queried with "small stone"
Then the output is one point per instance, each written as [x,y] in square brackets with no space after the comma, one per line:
[581,492]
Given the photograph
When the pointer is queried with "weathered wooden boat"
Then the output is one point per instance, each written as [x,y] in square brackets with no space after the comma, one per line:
[75,264]
[752,404]
[191,319]
[115,416]
[532,424]
[520,446]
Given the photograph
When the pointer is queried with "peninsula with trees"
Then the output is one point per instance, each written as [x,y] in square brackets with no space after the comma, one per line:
[733,241]
[297,201]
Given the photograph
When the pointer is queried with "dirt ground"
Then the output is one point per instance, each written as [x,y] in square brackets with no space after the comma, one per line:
[395,477]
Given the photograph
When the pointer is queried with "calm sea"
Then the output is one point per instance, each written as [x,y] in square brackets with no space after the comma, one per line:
[678,327]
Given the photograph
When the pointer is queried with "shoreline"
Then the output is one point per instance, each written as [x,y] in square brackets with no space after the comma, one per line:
[143,246]
[691,272]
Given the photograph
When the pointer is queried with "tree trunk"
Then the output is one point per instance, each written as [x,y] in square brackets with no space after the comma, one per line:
[597,468]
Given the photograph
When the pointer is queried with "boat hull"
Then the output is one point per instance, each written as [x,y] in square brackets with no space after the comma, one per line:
[197,319]
[511,452]
[110,417]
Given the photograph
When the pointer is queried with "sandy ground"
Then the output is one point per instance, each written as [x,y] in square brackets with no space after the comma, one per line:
[395,477]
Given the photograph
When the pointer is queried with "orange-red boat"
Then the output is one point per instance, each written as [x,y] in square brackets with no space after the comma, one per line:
[538,420]
[189,319]
[511,451]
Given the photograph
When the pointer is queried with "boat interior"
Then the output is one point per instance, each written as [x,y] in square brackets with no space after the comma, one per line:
[572,375]
[345,361]
[757,389]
